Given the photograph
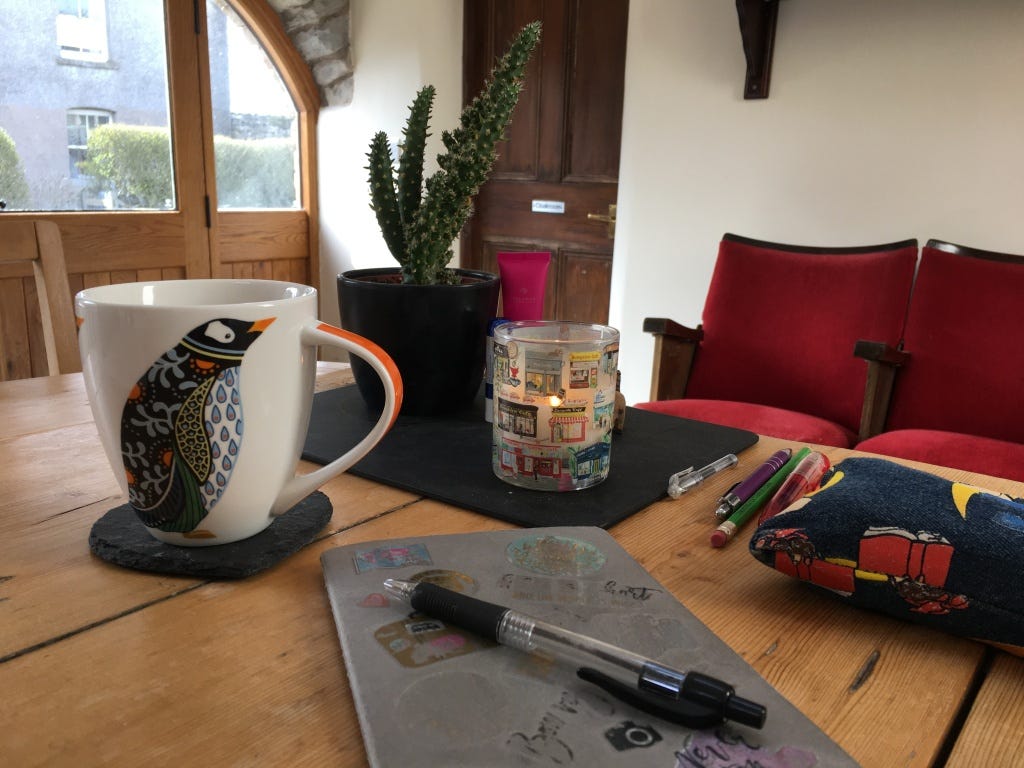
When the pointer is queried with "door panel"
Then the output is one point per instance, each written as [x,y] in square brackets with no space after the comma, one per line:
[587,279]
[504,209]
[563,145]
[253,235]
[594,121]
[94,242]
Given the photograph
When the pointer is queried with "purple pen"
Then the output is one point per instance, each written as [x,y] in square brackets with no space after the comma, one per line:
[743,490]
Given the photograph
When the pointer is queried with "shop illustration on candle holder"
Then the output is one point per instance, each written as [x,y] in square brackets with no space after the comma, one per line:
[554,403]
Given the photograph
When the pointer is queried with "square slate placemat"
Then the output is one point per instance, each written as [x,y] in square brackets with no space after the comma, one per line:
[449,459]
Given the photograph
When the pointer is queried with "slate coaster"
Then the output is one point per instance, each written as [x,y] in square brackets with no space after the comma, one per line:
[119,537]
[449,459]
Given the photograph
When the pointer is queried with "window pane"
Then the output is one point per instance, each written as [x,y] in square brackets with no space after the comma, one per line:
[81,124]
[82,30]
[255,123]
[83,106]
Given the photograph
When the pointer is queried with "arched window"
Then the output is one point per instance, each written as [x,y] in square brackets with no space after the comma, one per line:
[165,139]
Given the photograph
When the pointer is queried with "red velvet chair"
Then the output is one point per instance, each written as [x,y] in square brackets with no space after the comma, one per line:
[956,399]
[774,353]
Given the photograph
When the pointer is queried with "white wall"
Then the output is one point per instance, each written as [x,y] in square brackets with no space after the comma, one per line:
[398,46]
[886,119]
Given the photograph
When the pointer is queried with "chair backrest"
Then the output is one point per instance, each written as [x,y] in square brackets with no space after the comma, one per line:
[965,337]
[33,248]
[781,321]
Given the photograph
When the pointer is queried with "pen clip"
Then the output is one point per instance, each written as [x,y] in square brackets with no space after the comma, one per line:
[725,495]
[679,711]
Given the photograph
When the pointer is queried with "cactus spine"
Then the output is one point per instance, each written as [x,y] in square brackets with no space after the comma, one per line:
[420,222]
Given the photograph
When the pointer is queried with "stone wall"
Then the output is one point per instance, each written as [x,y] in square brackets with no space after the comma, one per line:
[320,31]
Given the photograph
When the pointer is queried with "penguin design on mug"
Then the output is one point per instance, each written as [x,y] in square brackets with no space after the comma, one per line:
[181,427]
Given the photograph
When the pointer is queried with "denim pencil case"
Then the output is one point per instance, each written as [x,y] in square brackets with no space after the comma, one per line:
[908,544]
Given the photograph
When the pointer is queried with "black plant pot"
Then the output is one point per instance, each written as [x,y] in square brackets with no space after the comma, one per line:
[434,333]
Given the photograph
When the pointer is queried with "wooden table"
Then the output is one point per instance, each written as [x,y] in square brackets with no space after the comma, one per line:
[102,665]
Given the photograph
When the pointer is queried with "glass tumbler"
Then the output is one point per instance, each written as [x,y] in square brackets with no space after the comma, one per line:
[554,402]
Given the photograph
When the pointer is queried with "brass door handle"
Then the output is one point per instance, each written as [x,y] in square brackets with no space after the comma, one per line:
[609,219]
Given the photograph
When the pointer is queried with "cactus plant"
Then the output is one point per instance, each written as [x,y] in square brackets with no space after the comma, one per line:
[420,221]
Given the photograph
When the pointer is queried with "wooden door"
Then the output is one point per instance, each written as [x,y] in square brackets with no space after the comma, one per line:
[563,148]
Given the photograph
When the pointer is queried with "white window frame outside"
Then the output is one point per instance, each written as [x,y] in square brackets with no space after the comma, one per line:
[93,119]
[82,36]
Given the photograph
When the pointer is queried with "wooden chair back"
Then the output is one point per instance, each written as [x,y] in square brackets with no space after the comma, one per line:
[965,369]
[780,322]
[773,351]
[35,302]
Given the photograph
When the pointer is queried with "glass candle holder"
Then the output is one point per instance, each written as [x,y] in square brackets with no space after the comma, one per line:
[554,403]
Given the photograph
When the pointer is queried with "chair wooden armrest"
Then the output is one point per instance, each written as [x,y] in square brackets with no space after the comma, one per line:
[674,348]
[883,361]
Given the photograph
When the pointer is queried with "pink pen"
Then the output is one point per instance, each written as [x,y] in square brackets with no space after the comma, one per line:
[804,478]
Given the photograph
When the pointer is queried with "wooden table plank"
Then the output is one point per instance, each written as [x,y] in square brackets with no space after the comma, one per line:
[332,375]
[41,404]
[50,473]
[993,735]
[230,673]
[54,486]
[814,649]
[289,671]
[53,586]
[103,665]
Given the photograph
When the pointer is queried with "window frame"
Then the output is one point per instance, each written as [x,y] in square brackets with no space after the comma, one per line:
[75,26]
[86,112]
[196,240]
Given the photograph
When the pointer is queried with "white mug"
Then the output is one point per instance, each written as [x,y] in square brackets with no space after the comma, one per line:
[201,391]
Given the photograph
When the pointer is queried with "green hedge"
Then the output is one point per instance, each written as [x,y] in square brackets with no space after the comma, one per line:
[13,187]
[133,162]
[255,173]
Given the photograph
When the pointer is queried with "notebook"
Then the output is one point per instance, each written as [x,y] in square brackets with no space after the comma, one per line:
[428,694]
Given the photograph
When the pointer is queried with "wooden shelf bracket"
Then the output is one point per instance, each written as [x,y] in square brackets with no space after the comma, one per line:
[757,28]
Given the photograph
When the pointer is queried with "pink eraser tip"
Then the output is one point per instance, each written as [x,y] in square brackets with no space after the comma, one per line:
[718,539]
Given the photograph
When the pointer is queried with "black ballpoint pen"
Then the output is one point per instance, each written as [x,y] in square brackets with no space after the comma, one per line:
[690,698]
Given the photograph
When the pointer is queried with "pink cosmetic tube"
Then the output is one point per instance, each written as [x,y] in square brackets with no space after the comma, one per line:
[523,280]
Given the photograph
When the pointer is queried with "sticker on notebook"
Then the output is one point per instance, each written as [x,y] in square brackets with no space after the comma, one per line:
[721,748]
[469,703]
[418,640]
[569,591]
[556,555]
[391,557]
[630,735]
